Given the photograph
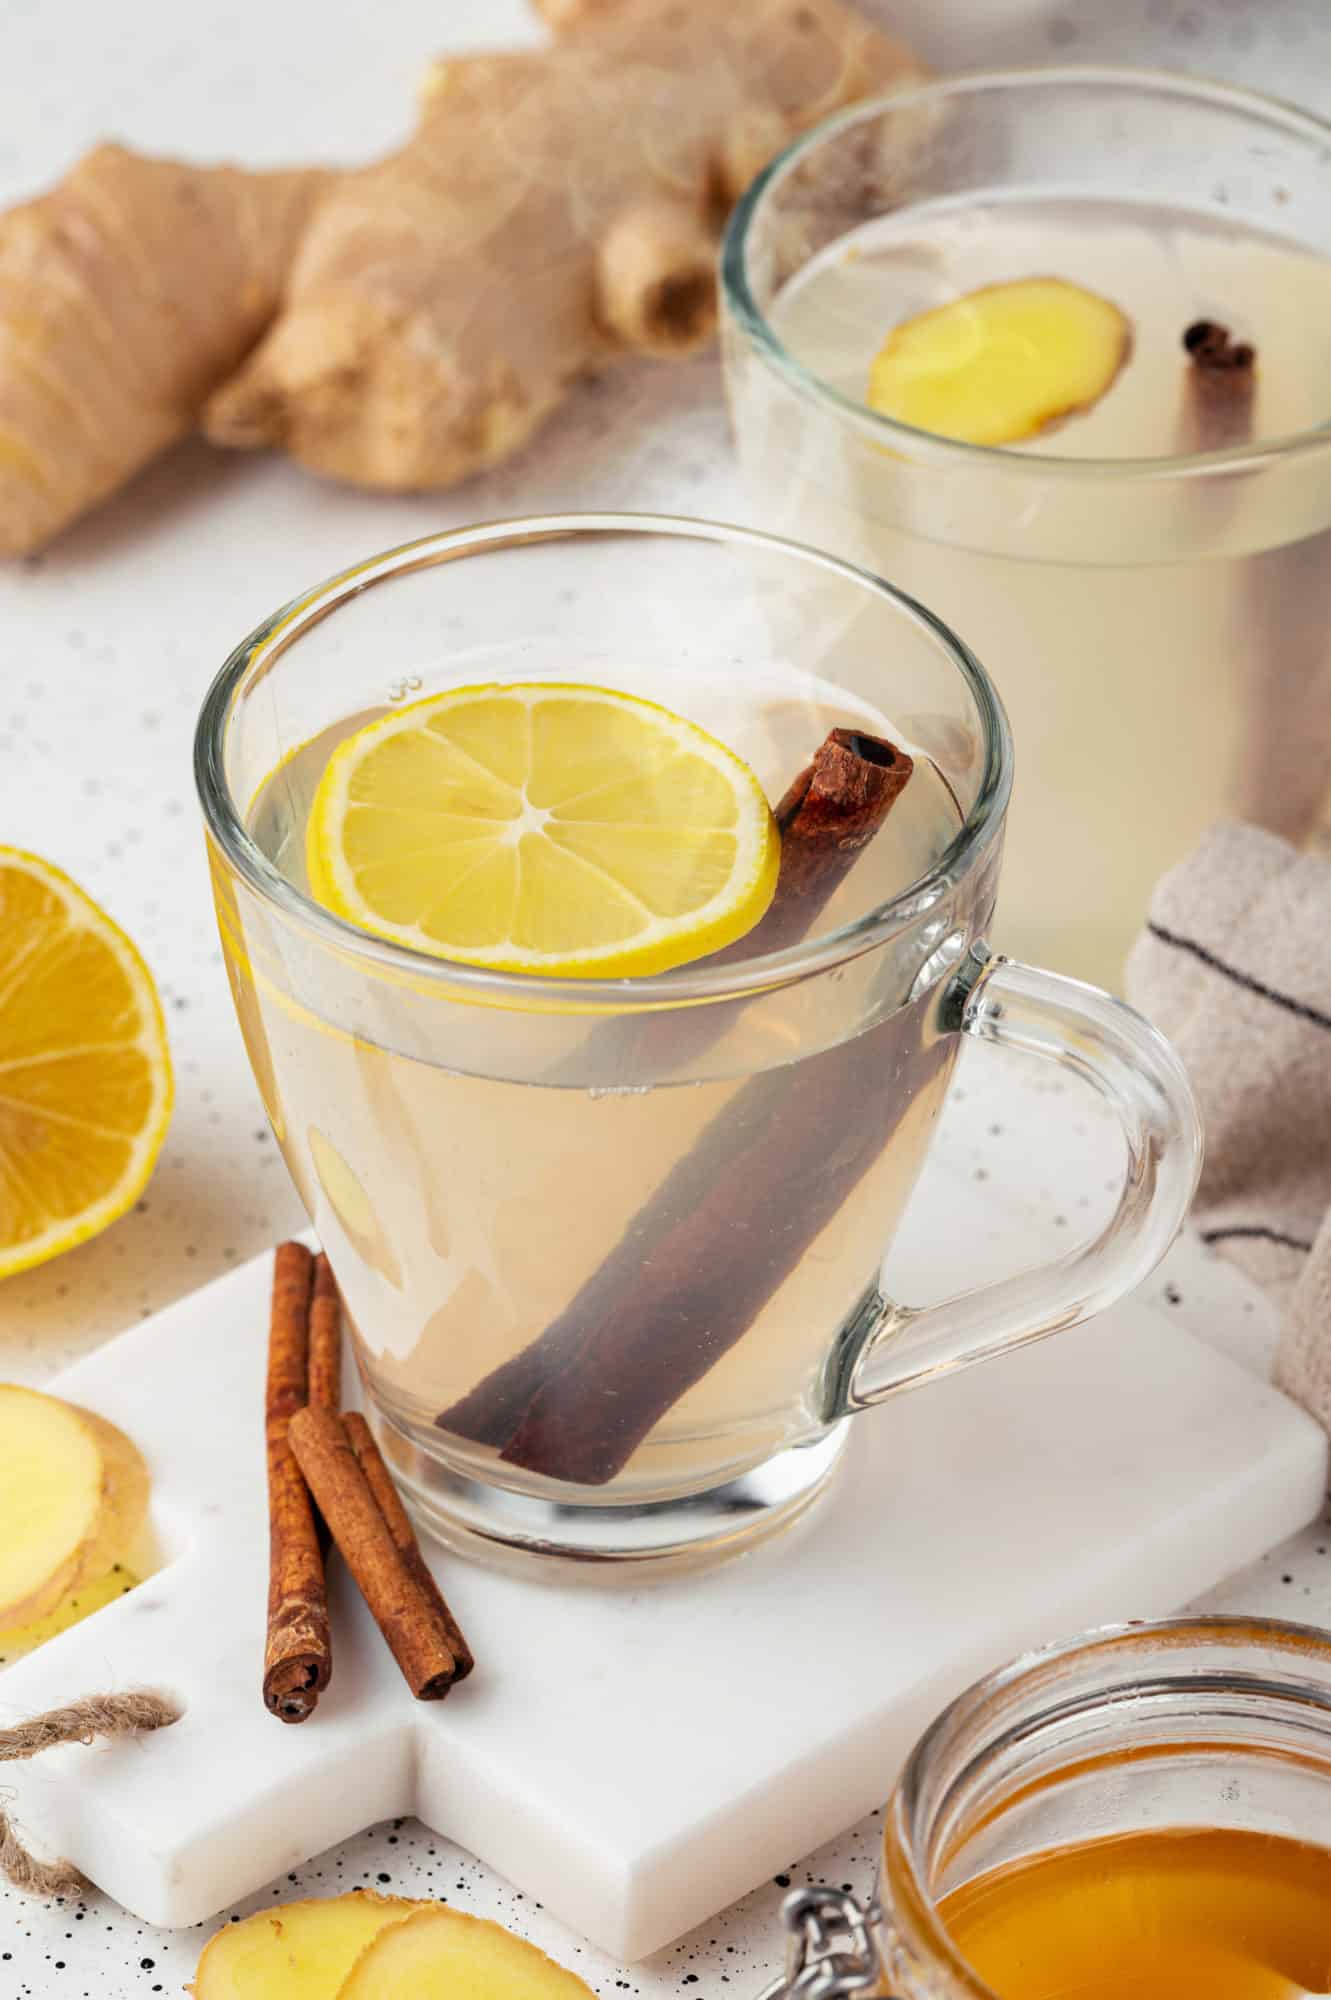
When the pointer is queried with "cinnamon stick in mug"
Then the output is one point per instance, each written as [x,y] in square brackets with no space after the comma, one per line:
[1281,597]
[298,1650]
[701,1260]
[1219,389]
[658,1313]
[826,815]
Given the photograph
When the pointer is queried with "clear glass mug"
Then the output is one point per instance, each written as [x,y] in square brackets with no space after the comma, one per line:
[610,1249]
[1188,1723]
[1156,626]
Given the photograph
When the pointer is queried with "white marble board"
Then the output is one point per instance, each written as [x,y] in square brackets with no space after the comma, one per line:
[635,1757]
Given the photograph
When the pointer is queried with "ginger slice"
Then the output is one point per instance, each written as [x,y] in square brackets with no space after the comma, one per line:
[73,1491]
[1002,363]
[442,1954]
[299,1951]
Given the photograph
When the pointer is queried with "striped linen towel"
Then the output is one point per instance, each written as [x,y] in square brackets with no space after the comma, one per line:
[1235,967]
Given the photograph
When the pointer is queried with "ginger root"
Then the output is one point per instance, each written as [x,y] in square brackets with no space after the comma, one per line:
[554,209]
[127,294]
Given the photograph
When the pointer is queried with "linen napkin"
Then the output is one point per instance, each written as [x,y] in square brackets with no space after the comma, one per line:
[1234,965]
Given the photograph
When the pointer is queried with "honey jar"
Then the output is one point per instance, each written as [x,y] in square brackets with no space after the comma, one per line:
[1141,1812]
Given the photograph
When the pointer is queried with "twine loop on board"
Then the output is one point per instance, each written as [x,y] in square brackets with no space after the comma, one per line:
[109,1715]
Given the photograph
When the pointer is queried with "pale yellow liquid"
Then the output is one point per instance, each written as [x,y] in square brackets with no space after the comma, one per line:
[1154,683]
[468,1169]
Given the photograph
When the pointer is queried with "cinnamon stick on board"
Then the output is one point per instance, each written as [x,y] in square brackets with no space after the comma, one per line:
[733,1218]
[325,1371]
[402,1609]
[298,1656]
[389,1502]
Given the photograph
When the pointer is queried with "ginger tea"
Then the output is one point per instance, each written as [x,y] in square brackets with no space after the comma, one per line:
[1160,642]
[477,1173]
[1210,1914]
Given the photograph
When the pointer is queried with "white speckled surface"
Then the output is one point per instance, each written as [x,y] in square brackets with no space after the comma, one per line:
[107,644]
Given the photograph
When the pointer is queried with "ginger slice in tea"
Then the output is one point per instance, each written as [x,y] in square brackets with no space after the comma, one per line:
[1002,363]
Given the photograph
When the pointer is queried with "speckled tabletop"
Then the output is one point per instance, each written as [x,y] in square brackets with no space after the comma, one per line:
[107,643]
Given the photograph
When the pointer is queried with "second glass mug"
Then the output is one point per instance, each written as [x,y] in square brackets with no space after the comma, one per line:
[610,1249]
[1157,624]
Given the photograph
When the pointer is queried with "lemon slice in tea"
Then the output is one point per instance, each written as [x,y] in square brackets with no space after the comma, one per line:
[544,828]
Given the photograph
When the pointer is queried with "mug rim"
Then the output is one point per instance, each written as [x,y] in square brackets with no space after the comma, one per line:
[1222,1629]
[262,647]
[738,296]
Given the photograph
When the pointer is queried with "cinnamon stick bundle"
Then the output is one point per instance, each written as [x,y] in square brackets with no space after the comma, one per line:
[316,1455]
[733,1219]
[298,1656]
[410,1617]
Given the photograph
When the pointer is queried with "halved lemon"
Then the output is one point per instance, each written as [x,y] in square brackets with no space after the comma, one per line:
[85,1077]
[546,828]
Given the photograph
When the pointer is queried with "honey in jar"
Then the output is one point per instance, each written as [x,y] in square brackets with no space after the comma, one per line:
[1212,1914]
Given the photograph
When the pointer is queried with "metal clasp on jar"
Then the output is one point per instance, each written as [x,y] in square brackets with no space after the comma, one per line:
[830,1950]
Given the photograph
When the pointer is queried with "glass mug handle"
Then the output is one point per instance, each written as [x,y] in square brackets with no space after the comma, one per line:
[888,1347]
